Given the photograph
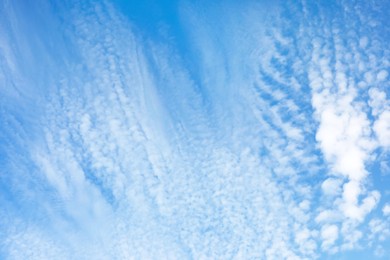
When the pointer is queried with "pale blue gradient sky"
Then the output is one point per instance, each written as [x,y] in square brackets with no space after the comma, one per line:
[194,129]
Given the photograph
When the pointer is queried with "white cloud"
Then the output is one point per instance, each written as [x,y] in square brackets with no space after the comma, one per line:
[332,186]
[381,110]
[382,75]
[363,42]
[220,165]
[345,131]
[327,215]
[382,128]
[377,101]
[33,243]
[386,210]
[329,234]
[379,229]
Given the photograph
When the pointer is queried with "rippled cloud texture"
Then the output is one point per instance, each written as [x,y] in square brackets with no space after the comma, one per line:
[194,129]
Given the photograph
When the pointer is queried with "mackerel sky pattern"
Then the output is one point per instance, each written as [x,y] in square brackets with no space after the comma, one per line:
[183,129]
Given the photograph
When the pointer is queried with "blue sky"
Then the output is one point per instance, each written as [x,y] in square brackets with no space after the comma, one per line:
[194,129]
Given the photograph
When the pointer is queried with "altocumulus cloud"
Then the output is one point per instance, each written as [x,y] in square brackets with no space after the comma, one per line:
[194,130]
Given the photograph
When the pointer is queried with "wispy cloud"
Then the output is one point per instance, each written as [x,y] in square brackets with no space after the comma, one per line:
[255,143]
